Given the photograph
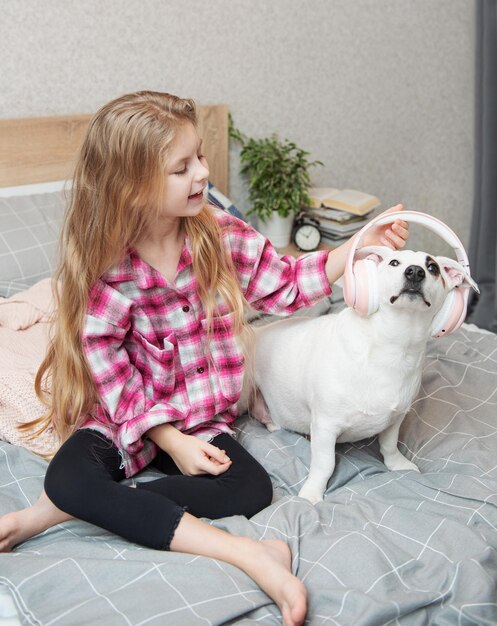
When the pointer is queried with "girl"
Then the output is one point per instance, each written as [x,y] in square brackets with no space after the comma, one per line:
[145,366]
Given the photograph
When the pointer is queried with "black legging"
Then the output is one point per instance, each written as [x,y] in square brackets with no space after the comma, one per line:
[83,480]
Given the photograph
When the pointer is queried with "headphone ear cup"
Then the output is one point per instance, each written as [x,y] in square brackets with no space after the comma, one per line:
[348,286]
[366,287]
[451,315]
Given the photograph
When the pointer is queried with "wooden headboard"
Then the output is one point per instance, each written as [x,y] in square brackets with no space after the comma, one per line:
[42,149]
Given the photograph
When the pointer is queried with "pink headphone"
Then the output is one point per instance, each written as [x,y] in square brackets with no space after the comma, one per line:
[360,279]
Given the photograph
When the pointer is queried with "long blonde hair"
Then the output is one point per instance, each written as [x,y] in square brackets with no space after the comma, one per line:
[118,181]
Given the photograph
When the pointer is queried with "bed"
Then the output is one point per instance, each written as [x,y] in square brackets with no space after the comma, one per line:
[382,548]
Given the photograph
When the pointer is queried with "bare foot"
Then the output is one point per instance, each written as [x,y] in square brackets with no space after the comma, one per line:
[270,568]
[19,526]
[268,563]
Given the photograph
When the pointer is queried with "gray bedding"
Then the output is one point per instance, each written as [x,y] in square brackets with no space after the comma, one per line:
[383,548]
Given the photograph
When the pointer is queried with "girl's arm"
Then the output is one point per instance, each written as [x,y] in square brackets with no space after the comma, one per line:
[122,393]
[134,414]
[282,285]
[193,456]
[119,383]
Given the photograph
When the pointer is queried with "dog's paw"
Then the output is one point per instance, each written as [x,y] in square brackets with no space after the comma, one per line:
[311,493]
[401,464]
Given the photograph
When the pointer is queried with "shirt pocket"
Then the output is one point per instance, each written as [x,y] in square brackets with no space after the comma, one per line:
[156,365]
[227,356]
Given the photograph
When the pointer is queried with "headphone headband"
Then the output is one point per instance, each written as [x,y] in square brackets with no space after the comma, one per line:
[416,217]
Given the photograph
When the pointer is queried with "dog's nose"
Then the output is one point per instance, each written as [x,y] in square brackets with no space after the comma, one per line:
[415,273]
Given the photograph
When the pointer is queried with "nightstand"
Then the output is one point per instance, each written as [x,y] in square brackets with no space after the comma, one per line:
[294,251]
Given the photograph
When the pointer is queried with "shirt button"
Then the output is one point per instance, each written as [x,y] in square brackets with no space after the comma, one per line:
[186,308]
[200,370]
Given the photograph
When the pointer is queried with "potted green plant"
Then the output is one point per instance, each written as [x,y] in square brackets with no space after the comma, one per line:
[278,181]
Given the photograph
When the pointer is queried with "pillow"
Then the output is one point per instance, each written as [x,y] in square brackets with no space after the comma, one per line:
[19,405]
[30,221]
[26,308]
[21,353]
[215,197]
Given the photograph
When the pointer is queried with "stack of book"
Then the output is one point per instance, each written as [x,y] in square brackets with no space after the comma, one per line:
[340,212]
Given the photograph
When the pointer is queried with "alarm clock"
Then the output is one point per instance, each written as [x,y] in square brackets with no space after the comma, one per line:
[306,234]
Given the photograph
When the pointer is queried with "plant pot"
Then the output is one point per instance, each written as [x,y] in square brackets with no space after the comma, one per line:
[277,229]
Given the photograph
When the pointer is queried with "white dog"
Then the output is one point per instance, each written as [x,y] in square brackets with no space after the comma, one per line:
[344,377]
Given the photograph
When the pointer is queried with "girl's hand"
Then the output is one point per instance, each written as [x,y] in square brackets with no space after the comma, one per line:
[392,235]
[193,456]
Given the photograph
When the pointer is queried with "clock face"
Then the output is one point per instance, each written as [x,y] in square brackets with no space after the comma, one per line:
[307,237]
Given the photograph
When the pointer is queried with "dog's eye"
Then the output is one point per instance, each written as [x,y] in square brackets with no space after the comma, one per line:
[432,268]
[394,263]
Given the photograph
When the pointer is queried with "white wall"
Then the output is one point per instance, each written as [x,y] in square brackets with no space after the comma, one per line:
[380,90]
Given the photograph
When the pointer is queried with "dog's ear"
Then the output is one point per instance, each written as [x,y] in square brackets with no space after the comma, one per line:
[455,274]
[373,253]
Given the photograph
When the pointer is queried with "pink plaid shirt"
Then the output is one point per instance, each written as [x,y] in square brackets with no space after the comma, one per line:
[145,340]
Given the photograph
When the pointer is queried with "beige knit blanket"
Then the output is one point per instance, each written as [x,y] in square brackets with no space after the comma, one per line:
[24,332]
